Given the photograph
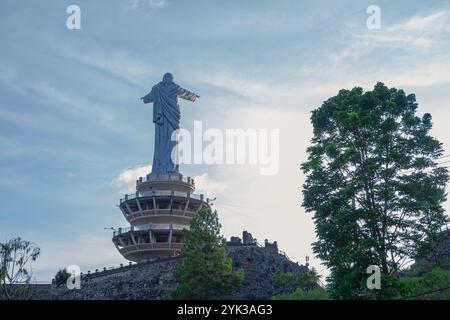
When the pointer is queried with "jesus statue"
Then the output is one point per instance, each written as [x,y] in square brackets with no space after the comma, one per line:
[166,116]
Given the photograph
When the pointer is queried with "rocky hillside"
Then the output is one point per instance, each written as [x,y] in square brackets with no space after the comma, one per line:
[154,280]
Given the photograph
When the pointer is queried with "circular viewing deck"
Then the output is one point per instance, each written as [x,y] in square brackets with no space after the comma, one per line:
[161,208]
[149,242]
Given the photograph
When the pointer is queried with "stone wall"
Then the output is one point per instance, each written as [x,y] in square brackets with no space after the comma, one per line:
[154,280]
[260,264]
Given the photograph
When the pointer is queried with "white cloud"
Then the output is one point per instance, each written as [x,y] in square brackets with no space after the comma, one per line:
[256,92]
[434,73]
[136,4]
[88,251]
[9,77]
[411,53]
[210,188]
[257,23]
[437,21]
[421,31]
[412,74]
[120,64]
[126,180]
[75,105]
[270,206]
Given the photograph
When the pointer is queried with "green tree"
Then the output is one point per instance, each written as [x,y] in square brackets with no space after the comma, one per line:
[61,277]
[302,286]
[2,274]
[16,256]
[373,184]
[306,281]
[207,271]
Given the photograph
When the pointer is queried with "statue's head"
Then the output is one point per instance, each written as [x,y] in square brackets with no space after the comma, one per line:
[168,77]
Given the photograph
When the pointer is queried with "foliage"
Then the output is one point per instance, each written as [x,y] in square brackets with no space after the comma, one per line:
[373,185]
[207,271]
[428,285]
[392,288]
[2,274]
[306,281]
[300,294]
[425,278]
[423,266]
[16,256]
[61,277]
[302,286]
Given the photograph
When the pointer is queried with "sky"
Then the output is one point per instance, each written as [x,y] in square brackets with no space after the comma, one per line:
[74,135]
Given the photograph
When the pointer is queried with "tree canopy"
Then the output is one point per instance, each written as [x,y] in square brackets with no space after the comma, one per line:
[206,272]
[373,184]
[16,256]
[61,277]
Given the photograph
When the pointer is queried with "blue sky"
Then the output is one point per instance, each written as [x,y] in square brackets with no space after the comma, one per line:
[73,132]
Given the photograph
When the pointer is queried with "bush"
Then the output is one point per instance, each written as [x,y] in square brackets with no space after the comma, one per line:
[300,294]
[431,285]
[61,277]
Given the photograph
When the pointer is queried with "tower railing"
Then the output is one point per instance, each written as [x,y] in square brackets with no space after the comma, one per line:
[161,193]
[124,267]
[165,177]
[150,226]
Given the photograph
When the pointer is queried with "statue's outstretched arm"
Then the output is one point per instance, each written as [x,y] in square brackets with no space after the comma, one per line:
[148,98]
[187,95]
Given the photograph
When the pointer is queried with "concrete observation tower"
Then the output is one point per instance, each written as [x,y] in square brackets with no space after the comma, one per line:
[164,202]
[160,209]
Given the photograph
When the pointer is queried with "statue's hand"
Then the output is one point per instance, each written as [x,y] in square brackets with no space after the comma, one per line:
[147,98]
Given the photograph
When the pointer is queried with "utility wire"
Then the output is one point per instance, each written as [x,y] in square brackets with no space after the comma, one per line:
[425,293]
[443,162]
[235,206]
[437,166]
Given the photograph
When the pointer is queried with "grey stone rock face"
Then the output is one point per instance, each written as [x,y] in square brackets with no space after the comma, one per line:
[260,264]
[440,254]
[154,280]
[247,238]
[150,281]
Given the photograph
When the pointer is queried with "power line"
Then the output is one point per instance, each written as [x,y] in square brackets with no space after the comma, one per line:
[437,166]
[235,206]
[232,209]
[443,162]
[425,293]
